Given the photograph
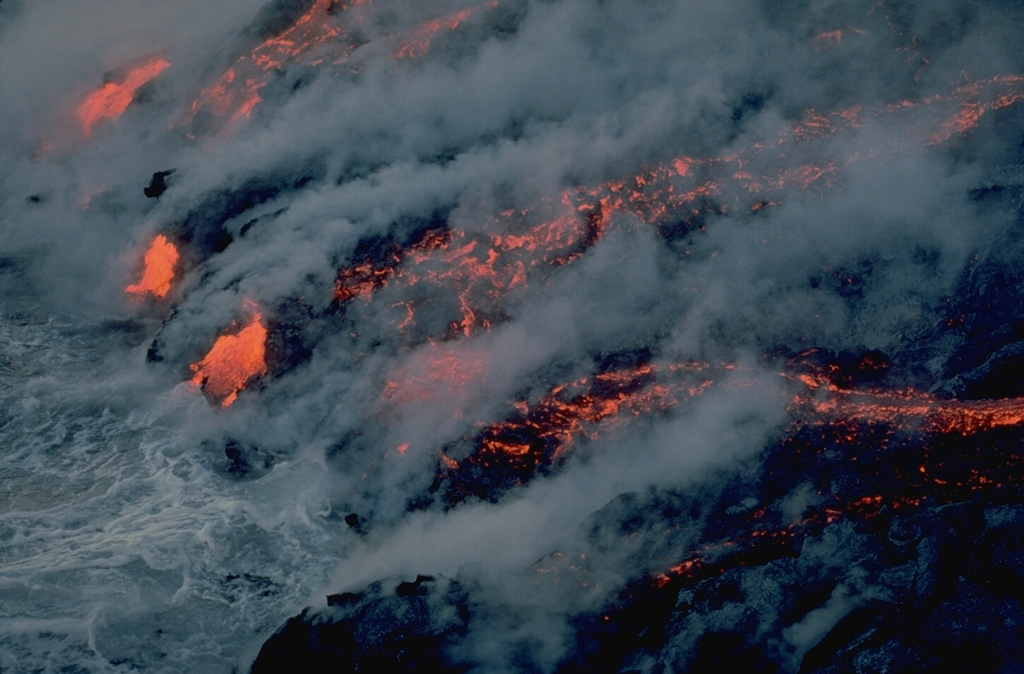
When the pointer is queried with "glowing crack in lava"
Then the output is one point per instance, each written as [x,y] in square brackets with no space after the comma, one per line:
[973,106]
[875,465]
[476,272]
[113,98]
[234,361]
[158,269]
[484,273]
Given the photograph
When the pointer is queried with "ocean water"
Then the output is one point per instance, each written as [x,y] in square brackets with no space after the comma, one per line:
[125,545]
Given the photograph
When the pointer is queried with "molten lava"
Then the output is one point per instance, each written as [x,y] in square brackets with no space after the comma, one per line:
[480,269]
[1002,92]
[237,92]
[902,408]
[871,466]
[417,42]
[158,269]
[537,435]
[234,361]
[867,454]
[315,39]
[113,98]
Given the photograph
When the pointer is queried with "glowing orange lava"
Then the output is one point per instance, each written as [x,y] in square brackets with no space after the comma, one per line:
[904,408]
[973,107]
[861,430]
[237,92]
[316,38]
[873,437]
[560,418]
[360,281]
[417,42]
[113,98]
[477,269]
[537,435]
[234,361]
[158,269]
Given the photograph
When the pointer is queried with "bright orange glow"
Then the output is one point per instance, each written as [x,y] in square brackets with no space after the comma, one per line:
[158,269]
[233,363]
[113,98]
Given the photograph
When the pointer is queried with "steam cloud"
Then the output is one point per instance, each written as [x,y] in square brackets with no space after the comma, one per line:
[148,528]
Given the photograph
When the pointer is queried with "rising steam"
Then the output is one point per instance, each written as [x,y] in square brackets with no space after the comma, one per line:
[515,321]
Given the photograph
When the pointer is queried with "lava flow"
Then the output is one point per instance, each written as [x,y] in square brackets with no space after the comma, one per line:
[973,106]
[237,92]
[417,42]
[234,361]
[480,268]
[963,448]
[158,269]
[477,269]
[314,39]
[905,409]
[538,435]
[113,98]
[881,461]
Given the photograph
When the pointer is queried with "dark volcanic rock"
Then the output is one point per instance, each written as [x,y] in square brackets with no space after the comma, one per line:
[851,547]
[202,229]
[157,184]
[240,460]
[408,628]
